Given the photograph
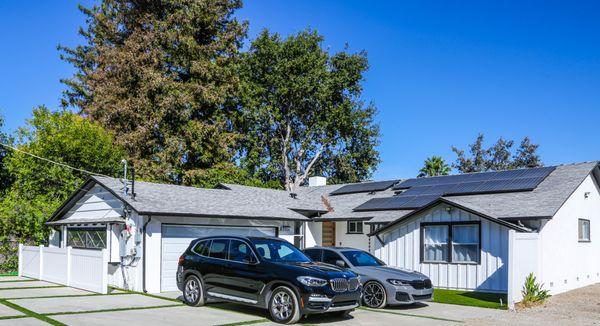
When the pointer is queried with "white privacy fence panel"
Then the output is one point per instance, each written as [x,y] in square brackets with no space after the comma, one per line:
[88,269]
[81,268]
[29,261]
[524,253]
[55,265]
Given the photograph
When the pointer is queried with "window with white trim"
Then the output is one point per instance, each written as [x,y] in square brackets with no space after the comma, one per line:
[355,227]
[584,230]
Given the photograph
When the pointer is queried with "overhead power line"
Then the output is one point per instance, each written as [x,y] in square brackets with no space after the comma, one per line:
[54,162]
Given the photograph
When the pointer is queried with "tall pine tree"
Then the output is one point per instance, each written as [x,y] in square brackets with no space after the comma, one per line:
[157,73]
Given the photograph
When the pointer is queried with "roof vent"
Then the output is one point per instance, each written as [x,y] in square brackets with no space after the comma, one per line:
[317,181]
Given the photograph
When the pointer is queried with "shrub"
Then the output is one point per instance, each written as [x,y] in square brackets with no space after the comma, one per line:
[533,291]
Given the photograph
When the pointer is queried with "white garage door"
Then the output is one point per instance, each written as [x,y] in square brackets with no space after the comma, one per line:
[176,238]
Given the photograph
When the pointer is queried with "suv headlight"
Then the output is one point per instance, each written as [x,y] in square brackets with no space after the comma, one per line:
[311,281]
[397,282]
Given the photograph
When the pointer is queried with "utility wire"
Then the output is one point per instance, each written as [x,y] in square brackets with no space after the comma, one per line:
[54,162]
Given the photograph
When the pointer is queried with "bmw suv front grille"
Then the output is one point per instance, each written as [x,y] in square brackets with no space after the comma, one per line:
[343,285]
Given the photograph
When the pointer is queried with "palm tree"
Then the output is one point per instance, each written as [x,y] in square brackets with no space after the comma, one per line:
[434,165]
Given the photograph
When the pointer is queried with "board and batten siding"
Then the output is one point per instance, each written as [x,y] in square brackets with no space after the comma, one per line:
[401,248]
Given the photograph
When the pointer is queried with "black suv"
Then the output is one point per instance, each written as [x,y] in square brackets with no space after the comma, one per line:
[265,272]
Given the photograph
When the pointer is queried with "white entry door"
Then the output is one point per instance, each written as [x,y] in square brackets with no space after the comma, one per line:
[176,239]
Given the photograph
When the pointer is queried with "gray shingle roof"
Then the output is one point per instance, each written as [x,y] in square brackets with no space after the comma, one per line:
[343,205]
[164,199]
[252,202]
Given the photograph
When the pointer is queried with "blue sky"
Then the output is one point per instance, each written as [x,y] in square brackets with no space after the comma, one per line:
[441,72]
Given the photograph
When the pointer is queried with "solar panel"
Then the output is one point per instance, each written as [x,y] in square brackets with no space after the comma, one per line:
[465,187]
[474,177]
[397,202]
[373,204]
[422,191]
[364,187]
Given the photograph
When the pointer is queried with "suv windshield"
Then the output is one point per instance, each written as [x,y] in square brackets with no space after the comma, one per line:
[361,258]
[279,251]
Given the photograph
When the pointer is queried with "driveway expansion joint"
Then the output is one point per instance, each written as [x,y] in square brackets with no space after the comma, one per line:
[383,311]
[62,313]
[30,313]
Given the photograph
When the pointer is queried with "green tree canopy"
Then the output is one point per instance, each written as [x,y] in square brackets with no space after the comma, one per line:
[39,186]
[499,156]
[5,177]
[156,74]
[434,166]
[302,112]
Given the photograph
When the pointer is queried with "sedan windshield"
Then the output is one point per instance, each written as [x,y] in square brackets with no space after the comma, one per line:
[361,258]
[277,251]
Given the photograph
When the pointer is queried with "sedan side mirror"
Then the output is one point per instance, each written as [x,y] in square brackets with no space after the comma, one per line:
[340,263]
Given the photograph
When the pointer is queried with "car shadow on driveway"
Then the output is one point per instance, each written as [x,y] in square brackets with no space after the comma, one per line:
[263,313]
[408,307]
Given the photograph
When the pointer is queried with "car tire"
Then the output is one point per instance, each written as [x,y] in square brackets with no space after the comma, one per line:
[283,306]
[374,295]
[193,292]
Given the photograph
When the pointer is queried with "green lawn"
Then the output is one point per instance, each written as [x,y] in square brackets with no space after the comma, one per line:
[8,274]
[470,298]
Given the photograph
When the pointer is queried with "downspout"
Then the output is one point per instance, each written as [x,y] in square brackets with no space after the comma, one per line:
[144,254]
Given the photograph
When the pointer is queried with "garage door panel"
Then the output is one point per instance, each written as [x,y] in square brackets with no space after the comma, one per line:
[176,239]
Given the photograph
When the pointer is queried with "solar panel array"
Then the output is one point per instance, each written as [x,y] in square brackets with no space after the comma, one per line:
[420,192]
[364,187]
[533,173]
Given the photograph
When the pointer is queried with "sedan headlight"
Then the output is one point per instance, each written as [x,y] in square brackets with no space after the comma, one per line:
[397,282]
[311,281]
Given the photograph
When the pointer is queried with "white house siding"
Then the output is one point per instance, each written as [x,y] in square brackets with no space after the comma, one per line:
[154,240]
[313,234]
[95,204]
[345,239]
[401,248]
[567,263]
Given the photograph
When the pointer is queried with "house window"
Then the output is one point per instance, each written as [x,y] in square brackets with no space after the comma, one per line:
[355,227]
[584,230]
[435,244]
[87,238]
[452,242]
[465,243]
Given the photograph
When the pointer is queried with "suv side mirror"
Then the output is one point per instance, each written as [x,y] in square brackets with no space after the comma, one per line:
[340,263]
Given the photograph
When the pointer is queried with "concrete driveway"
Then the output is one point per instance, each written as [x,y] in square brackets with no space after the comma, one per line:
[28,302]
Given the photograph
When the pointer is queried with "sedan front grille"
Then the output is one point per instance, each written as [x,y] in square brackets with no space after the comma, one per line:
[343,285]
[420,285]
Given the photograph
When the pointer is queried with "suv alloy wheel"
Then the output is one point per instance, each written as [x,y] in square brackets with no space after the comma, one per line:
[283,306]
[193,292]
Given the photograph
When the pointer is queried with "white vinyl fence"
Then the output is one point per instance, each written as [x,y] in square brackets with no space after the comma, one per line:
[524,253]
[80,268]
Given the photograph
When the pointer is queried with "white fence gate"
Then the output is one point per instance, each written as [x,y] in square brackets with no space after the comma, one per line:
[523,259]
[80,268]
